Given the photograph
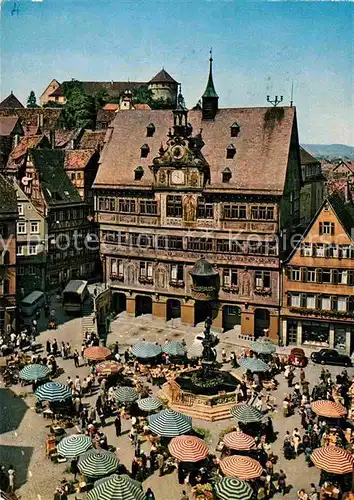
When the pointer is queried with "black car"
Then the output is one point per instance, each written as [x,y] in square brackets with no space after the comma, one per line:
[330,357]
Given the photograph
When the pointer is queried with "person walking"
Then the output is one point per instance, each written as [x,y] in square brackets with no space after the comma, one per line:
[11,474]
[48,347]
[76,358]
[118,425]
[160,463]
[296,440]
[55,347]
[149,494]
[282,482]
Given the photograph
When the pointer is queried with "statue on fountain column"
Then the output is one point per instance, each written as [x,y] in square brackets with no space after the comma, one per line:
[209,342]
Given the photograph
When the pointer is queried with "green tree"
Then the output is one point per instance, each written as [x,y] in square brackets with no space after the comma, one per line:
[101,97]
[79,110]
[31,100]
[71,86]
[142,95]
[163,104]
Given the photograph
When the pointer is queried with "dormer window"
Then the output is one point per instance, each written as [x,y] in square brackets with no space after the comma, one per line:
[226,175]
[138,173]
[230,151]
[235,129]
[144,151]
[150,130]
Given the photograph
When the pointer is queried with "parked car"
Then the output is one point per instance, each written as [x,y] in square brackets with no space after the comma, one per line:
[331,357]
[297,357]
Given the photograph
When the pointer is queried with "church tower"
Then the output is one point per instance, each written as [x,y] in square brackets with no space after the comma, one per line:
[210,98]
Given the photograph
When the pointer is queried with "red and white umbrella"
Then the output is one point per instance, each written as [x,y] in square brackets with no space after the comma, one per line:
[97,353]
[188,448]
[333,459]
[329,409]
[239,441]
[242,467]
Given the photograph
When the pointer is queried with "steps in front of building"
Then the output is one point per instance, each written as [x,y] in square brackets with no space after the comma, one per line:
[209,414]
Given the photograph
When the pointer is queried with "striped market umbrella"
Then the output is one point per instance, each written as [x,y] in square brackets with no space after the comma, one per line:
[254,365]
[174,348]
[149,404]
[116,487]
[146,350]
[329,409]
[96,463]
[241,467]
[246,414]
[34,372]
[126,394]
[169,423]
[229,488]
[53,391]
[74,445]
[5,496]
[239,441]
[97,353]
[333,459]
[188,448]
[109,367]
[263,347]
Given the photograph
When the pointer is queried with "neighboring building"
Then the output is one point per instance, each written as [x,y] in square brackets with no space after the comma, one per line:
[340,178]
[8,219]
[10,132]
[92,139]
[17,161]
[31,246]
[44,98]
[190,207]
[163,86]
[313,188]
[318,281]
[11,102]
[71,252]
[81,166]
[45,119]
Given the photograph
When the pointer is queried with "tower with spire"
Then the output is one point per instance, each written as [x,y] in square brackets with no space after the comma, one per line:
[210,98]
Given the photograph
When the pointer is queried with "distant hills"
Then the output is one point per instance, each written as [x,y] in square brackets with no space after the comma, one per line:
[330,151]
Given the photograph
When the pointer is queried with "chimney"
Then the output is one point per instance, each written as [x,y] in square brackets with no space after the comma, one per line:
[52,138]
[41,120]
[16,140]
[72,143]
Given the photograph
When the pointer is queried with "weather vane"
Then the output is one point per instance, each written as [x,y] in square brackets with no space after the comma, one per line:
[276,100]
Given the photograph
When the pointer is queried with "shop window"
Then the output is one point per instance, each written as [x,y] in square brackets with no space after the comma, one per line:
[315,333]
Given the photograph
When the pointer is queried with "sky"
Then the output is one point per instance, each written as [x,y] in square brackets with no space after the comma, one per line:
[259,48]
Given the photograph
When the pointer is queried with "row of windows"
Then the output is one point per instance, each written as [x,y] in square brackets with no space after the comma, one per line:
[70,214]
[33,227]
[198,244]
[22,270]
[262,279]
[312,275]
[341,303]
[150,129]
[174,208]
[31,249]
[327,250]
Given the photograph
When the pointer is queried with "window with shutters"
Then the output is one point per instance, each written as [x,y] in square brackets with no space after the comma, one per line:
[307,250]
[326,228]
[177,273]
[21,228]
[295,274]
[342,276]
[262,279]
[320,250]
[311,276]
[117,269]
[326,276]
[346,251]
[333,251]
[310,302]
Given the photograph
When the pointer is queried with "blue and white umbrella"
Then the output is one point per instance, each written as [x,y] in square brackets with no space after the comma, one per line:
[149,404]
[174,348]
[116,487]
[146,350]
[254,365]
[34,372]
[126,394]
[170,423]
[74,445]
[97,463]
[262,347]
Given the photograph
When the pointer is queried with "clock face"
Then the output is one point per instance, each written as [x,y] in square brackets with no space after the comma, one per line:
[177,152]
[177,177]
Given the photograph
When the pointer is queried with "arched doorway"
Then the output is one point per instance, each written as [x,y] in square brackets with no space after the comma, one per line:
[173,309]
[119,302]
[231,317]
[143,305]
[261,322]
[202,310]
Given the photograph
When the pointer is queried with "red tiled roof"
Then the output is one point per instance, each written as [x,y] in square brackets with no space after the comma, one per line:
[30,130]
[111,107]
[142,107]
[77,159]
[11,102]
[92,139]
[7,124]
[104,116]
[262,148]
[31,116]
[24,145]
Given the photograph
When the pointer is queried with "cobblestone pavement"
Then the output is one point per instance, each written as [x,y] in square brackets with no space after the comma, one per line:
[24,447]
